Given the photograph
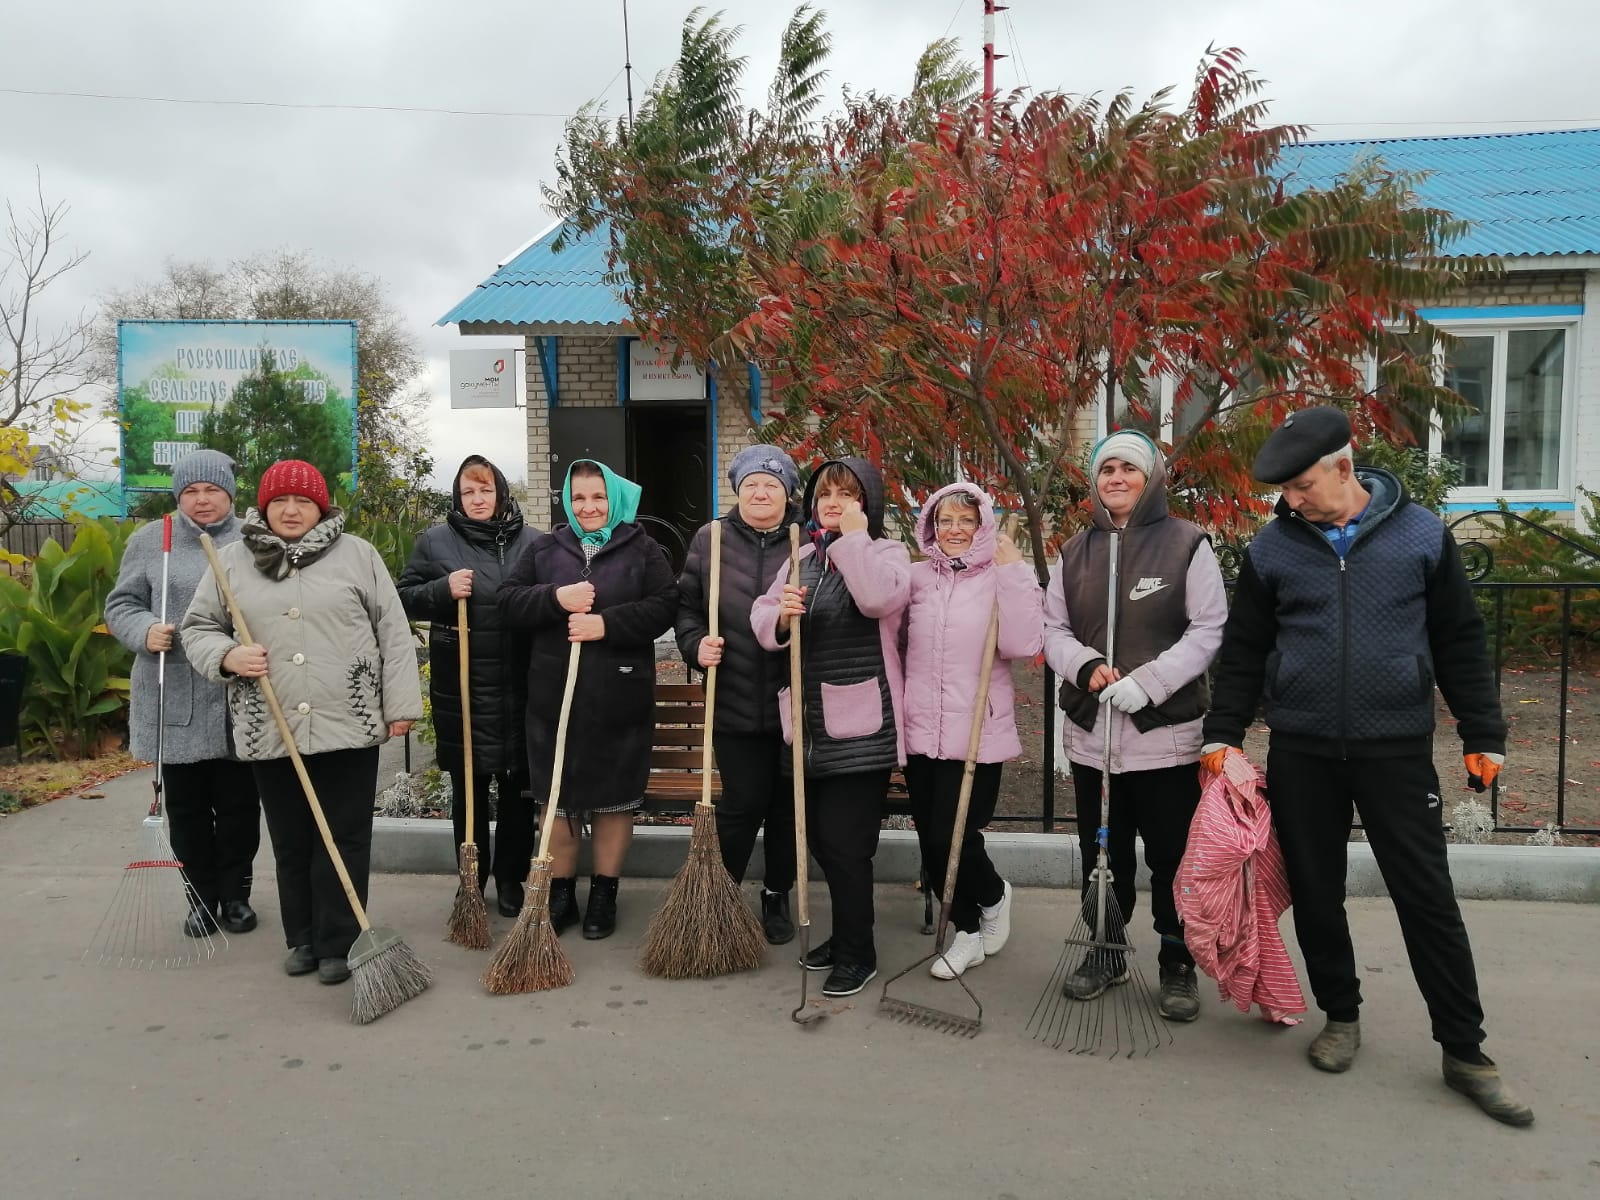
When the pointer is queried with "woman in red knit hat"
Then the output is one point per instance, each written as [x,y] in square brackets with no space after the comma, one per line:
[334,638]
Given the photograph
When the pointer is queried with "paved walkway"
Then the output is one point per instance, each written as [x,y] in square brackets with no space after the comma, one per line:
[233,1080]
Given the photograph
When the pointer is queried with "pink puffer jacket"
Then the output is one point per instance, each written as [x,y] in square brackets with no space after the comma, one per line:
[946,623]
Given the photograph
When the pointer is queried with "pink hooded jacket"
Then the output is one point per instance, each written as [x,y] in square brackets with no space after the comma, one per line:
[946,624]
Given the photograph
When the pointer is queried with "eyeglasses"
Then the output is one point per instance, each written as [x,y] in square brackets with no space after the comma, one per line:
[946,524]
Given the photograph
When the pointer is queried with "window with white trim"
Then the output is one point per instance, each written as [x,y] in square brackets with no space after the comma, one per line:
[1518,376]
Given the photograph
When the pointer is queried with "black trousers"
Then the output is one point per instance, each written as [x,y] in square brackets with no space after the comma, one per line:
[215,819]
[755,793]
[513,812]
[316,912]
[844,814]
[1157,805]
[935,786]
[1398,798]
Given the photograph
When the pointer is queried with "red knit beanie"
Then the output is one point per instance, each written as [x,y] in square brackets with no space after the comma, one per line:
[291,477]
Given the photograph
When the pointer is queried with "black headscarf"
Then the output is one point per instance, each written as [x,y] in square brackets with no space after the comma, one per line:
[506,522]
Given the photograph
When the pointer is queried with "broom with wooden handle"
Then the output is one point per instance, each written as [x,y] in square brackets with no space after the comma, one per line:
[531,958]
[383,970]
[469,920]
[703,927]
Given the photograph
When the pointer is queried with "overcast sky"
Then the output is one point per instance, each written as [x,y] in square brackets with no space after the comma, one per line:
[431,203]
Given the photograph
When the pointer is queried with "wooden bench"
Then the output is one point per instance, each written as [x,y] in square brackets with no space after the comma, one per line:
[676,758]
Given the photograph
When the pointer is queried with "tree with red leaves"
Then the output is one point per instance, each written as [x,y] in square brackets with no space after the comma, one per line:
[956,302]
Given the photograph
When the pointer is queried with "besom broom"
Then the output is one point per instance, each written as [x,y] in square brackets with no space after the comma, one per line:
[531,959]
[383,970]
[703,927]
[469,920]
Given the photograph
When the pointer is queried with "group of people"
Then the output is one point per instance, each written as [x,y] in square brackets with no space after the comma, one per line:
[1351,606]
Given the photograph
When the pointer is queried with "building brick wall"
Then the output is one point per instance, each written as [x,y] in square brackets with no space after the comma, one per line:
[1520,287]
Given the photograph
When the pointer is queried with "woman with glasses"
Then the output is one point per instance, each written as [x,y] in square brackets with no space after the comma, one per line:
[969,568]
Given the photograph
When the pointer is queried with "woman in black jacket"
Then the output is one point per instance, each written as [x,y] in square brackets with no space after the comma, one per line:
[601,580]
[469,556]
[747,735]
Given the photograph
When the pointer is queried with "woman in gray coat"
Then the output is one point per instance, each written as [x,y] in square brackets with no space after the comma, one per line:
[212,809]
[344,667]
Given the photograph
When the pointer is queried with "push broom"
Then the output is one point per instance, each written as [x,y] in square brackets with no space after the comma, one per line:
[924,1015]
[1103,936]
[383,970]
[531,958]
[703,928]
[469,920]
[803,1013]
[143,927]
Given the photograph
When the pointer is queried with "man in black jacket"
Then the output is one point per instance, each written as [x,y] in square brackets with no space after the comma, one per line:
[1351,605]
[747,737]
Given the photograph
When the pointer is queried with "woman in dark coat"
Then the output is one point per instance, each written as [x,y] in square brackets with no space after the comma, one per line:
[469,556]
[748,737]
[601,580]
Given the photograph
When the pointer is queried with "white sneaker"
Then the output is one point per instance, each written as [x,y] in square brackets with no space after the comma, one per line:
[965,950]
[995,923]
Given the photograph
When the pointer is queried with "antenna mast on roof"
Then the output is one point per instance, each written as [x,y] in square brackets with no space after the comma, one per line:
[627,62]
[989,57]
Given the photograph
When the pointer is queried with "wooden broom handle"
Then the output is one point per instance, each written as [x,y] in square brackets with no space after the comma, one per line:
[466,709]
[561,753]
[706,756]
[284,732]
[797,745]
[964,799]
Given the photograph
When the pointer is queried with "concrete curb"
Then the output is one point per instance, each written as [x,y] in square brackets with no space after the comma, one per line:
[1566,874]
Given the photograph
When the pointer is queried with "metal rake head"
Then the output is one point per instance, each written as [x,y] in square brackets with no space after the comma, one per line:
[925,1016]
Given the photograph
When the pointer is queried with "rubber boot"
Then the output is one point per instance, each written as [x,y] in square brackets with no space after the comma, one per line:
[1334,1049]
[1481,1083]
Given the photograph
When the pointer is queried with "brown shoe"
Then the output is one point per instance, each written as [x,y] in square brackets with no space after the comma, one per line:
[1334,1049]
[1481,1083]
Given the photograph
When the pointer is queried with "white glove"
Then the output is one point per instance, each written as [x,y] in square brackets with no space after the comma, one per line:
[1125,695]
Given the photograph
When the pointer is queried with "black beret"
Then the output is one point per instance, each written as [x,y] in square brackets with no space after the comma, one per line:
[1297,444]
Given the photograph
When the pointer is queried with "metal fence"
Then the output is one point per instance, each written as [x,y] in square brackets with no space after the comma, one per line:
[27,538]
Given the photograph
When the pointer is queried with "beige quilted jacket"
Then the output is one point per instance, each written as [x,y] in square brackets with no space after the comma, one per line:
[339,652]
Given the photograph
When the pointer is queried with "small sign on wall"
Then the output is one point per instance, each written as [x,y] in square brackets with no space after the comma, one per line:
[483,378]
[651,375]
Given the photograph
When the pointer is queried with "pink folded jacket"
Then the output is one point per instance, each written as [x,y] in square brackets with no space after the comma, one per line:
[1231,890]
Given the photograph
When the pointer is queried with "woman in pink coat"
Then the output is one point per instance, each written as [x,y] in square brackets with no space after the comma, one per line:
[969,568]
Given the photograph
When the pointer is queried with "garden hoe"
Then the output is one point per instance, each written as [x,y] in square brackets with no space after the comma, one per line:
[1100,934]
[924,1015]
[384,971]
[704,928]
[804,1014]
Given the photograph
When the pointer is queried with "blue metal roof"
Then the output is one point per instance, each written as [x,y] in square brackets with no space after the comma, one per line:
[541,287]
[1527,194]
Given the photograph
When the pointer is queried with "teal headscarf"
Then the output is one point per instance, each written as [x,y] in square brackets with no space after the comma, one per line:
[622,500]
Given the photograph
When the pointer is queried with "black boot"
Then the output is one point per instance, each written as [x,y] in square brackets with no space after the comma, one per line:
[563,903]
[775,921]
[600,917]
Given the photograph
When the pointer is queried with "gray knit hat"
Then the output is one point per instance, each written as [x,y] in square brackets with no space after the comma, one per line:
[203,466]
[763,460]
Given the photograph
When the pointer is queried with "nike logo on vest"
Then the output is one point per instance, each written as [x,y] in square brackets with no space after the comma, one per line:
[1146,587]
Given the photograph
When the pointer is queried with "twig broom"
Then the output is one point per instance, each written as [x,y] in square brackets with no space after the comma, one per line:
[531,958]
[469,920]
[703,927]
[384,972]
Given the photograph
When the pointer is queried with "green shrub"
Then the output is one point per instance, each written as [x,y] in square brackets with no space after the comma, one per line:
[1533,547]
[77,672]
[1428,480]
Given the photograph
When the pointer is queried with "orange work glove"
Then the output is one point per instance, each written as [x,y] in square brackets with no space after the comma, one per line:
[1482,770]
[1214,754]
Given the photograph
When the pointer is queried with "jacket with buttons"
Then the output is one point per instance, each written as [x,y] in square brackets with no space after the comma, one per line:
[340,654]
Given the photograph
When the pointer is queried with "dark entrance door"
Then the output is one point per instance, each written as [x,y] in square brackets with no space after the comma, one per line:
[597,433]
[667,457]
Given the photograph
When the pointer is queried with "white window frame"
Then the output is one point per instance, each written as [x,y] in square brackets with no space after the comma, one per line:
[1500,329]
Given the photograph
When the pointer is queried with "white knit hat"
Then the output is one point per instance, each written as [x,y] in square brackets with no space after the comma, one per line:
[1132,448]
